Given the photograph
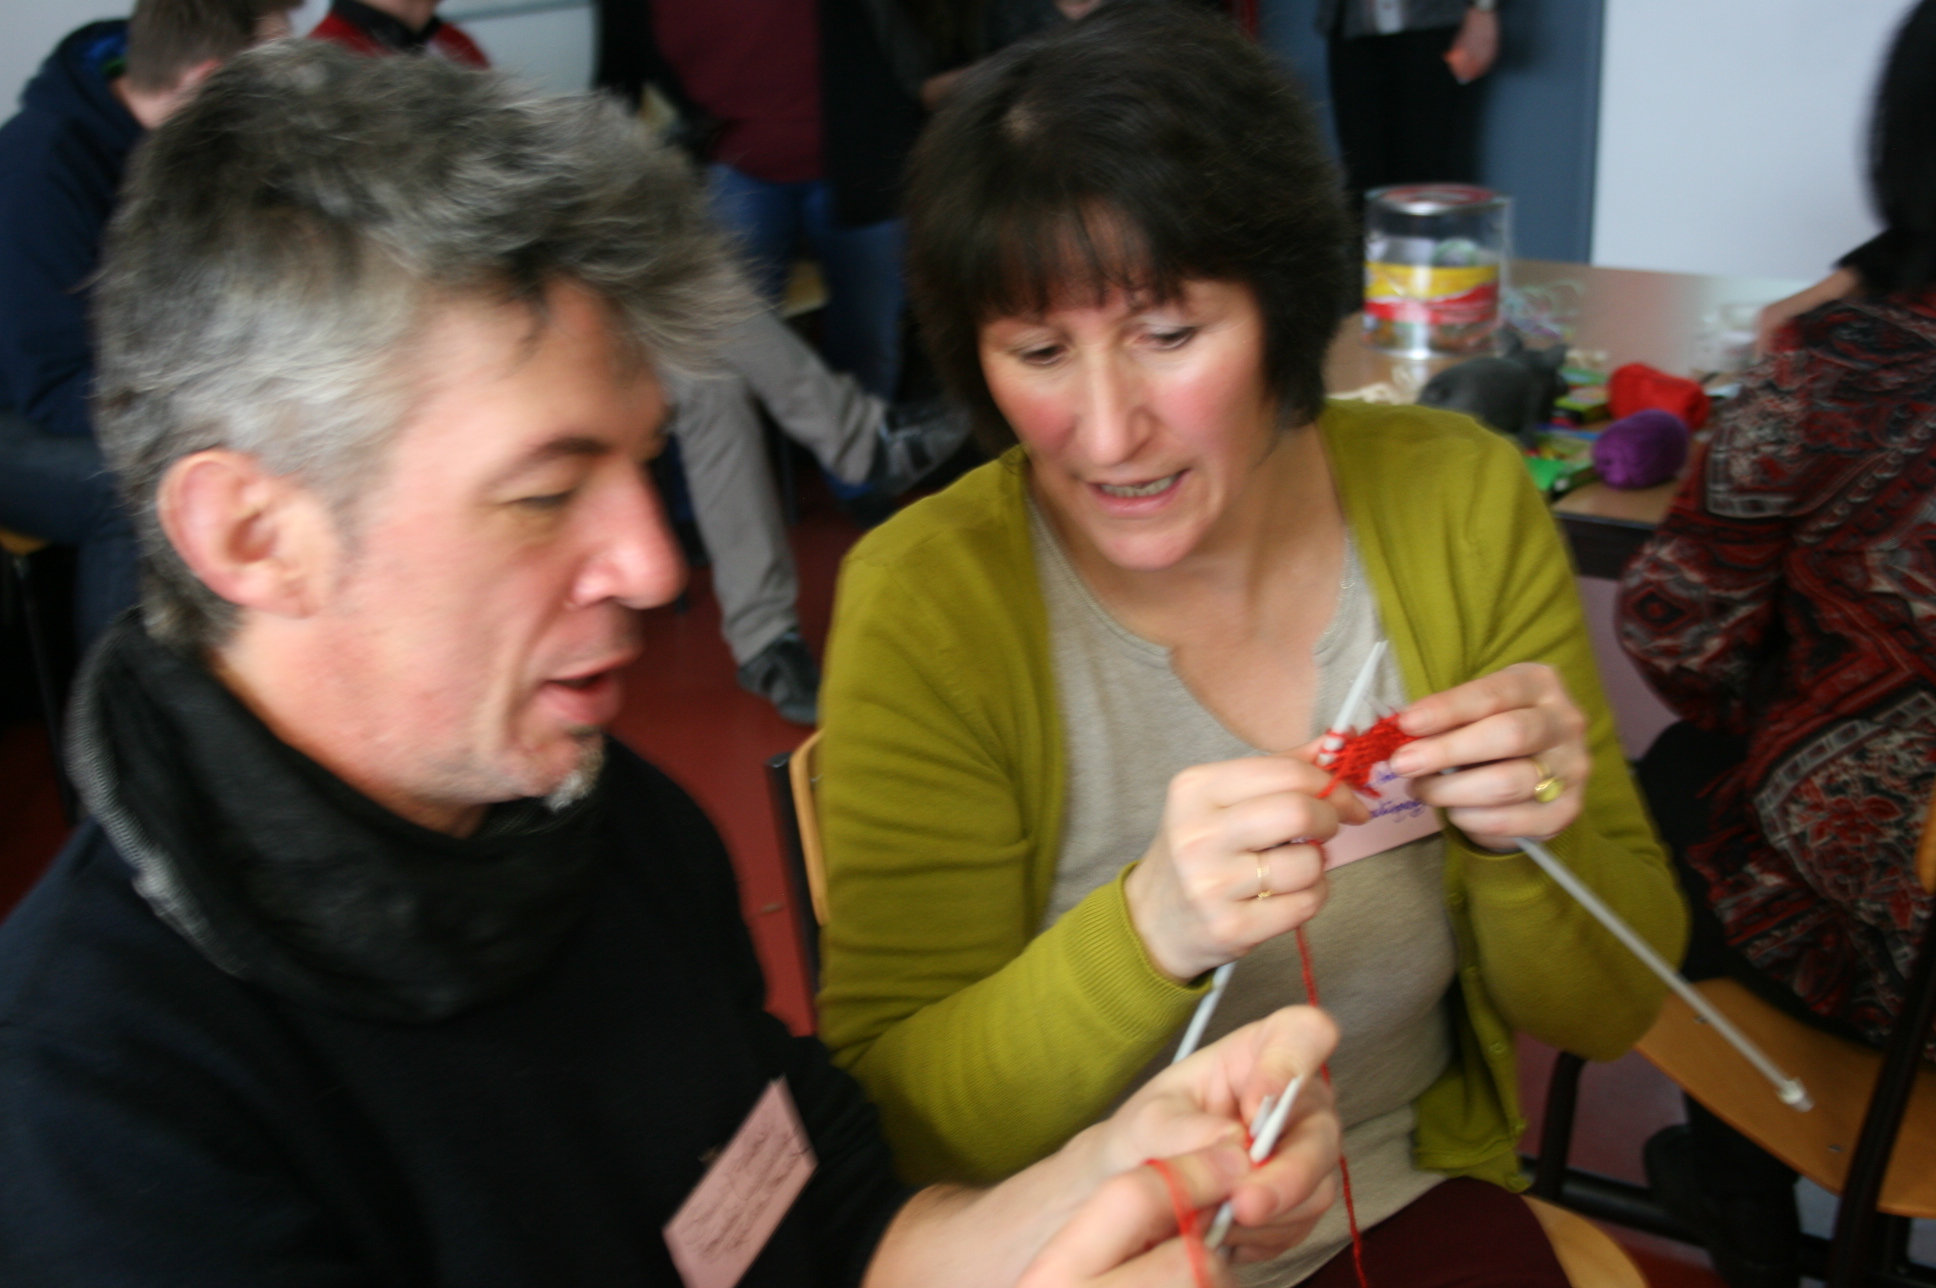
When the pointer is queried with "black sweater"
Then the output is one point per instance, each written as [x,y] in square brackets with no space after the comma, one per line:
[163,1122]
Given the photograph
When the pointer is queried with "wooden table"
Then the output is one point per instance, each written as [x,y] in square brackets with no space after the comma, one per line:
[1634,316]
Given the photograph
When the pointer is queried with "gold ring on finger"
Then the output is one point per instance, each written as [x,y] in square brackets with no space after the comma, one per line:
[1263,881]
[1550,786]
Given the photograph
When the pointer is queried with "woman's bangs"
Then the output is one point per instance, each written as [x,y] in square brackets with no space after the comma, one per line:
[1080,256]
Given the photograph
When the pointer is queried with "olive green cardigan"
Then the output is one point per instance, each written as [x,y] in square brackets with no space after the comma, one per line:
[986,1044]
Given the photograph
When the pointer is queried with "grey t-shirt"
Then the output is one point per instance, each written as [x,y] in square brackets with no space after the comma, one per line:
[1381,948]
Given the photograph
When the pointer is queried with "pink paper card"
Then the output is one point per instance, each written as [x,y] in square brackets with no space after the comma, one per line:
[737,1205]
[1395,819]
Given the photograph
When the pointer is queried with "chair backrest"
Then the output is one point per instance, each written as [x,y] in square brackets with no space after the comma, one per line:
[1585,1252]
[1873,1127]
[789,785]
[803,776]
[19,543]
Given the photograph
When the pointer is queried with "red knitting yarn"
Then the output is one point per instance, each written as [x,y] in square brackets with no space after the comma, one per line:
[1344,1168]
[1186,1222]
[1362,752]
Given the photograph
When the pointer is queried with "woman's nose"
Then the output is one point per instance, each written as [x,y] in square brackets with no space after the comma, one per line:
[1106,412]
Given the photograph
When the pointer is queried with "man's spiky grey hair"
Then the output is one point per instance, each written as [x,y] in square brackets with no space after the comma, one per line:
[285,237]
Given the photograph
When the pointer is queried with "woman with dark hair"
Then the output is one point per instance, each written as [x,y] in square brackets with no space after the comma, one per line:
[1786,608]
[1067,770]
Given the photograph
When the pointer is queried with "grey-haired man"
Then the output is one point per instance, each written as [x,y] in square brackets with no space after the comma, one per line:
[378,962]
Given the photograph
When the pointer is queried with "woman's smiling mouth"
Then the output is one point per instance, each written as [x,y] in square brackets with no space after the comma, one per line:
[1132,491]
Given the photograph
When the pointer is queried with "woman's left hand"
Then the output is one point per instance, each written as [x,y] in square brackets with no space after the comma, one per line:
[1516,746]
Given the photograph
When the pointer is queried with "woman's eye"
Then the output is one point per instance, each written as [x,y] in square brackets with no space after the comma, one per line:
[548,501]
[1173,337]
[1040,355]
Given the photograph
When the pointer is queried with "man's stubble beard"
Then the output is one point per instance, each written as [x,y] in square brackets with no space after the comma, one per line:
[578,784]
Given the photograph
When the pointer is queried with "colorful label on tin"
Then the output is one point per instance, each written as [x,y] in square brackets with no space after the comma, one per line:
[1434,296]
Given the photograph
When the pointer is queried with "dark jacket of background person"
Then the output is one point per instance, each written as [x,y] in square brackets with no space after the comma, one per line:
[61,162]
[282,1118]
[1790,596]
[1348,18]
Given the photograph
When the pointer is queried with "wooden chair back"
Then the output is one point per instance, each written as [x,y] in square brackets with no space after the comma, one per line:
[19,544]
[1849,1083]
[790,779]
[1590,1258]
[803,775]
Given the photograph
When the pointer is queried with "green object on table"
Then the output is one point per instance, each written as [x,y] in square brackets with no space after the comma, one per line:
[1555,477]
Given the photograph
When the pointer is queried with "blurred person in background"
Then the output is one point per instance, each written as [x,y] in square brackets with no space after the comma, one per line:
[61,161]
[1406,88]
[398,27]
[1786,609]
[377,961]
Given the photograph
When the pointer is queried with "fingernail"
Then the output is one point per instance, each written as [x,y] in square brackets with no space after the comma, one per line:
[1406,763]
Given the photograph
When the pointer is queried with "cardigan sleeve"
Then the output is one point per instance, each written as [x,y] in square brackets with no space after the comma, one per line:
[985,1045]
[1550,968]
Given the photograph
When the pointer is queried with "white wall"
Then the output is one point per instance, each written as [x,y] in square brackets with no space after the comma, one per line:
[551,47]
[1731,133]
[549,41]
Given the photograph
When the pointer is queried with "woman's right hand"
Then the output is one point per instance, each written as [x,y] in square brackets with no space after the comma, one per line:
[1231,831]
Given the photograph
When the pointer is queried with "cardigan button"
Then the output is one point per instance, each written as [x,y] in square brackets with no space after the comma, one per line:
[1497,1048]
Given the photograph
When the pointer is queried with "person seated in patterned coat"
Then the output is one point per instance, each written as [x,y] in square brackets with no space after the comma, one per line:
[1787,610]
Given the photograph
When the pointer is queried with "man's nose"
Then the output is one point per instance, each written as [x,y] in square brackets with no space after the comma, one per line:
[638,561]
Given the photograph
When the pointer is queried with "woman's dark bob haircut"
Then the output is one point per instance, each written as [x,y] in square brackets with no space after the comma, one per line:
[1145,146]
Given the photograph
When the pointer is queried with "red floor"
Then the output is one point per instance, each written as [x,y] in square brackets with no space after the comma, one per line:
[686,714]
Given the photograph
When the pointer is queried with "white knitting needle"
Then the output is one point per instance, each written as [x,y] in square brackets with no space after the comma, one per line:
[1327,752]
[1200,1020]
[1345,724]
[1272,1115]
[1790,1090]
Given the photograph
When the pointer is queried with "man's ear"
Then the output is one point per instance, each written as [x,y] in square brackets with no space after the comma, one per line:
[191,80]
[257,539]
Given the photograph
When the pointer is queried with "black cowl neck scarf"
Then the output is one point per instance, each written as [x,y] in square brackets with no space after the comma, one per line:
[283,875]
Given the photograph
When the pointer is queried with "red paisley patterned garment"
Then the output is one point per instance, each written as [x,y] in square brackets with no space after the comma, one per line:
[1790,595]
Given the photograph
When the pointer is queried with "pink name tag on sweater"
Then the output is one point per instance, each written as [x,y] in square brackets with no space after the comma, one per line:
[737,1205]
[1395,819]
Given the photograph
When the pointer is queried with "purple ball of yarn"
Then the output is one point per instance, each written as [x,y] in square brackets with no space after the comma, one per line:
[1645,448]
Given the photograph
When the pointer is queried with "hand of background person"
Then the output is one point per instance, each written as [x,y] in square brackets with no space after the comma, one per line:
[1230,831]
[1475,47]
[1195,1113]
[1840,284]
[1501,735]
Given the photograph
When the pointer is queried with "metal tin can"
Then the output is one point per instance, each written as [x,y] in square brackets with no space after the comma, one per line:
[1435,264]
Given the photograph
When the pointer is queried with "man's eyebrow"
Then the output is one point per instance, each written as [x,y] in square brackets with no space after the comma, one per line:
[563,446]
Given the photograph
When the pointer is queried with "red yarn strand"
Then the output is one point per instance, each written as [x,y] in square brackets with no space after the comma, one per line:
[1186,1222]
[1344,1169]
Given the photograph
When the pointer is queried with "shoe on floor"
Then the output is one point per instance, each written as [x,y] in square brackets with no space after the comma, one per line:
[1754,1240]
[784,674]
[913,440]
